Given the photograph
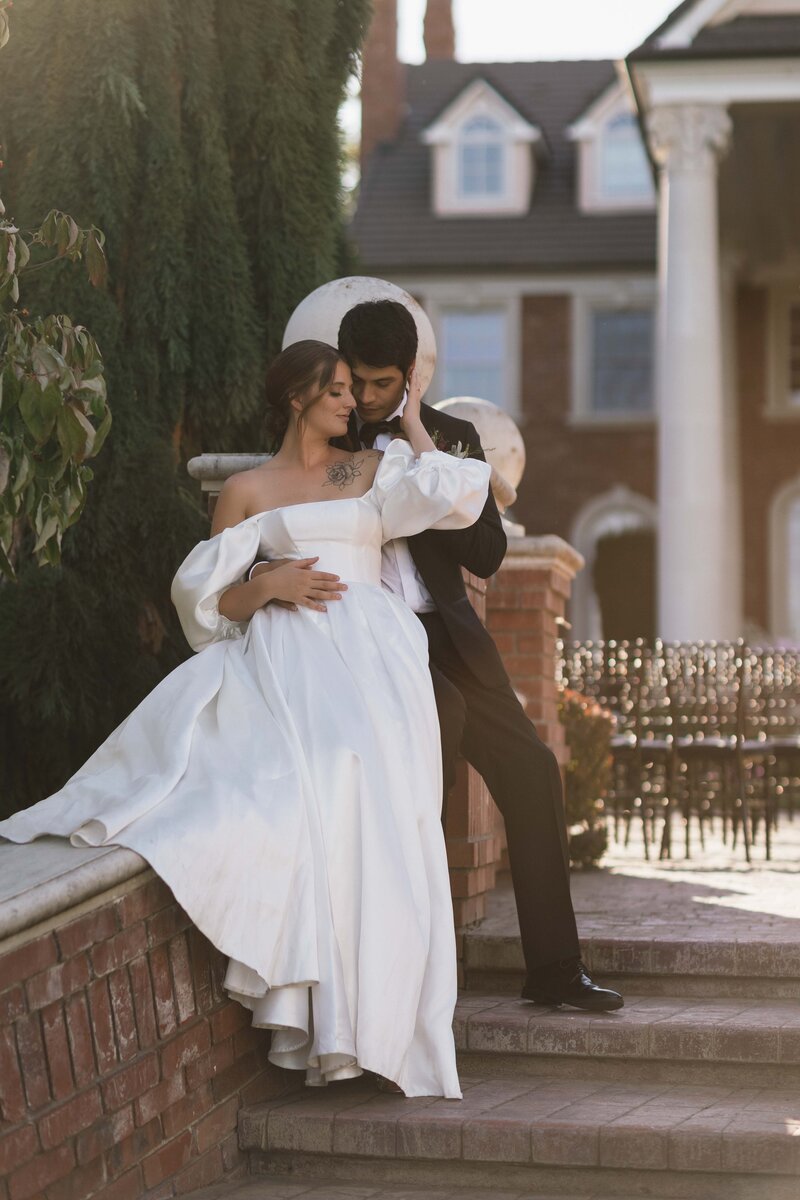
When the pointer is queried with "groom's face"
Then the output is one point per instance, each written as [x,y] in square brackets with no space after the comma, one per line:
[377,390]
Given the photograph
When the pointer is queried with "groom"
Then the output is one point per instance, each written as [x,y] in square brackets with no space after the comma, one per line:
[479,713]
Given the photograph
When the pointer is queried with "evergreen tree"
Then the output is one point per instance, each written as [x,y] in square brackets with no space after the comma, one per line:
[201,136]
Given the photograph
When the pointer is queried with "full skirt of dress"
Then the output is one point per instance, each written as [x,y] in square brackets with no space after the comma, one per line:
[286,784]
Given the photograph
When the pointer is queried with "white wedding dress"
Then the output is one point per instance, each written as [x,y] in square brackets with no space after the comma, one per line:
[286,785]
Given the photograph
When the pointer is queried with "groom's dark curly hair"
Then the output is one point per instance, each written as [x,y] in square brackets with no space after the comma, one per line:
[379,333]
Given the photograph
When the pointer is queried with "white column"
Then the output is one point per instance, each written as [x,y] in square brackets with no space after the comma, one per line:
[693,588]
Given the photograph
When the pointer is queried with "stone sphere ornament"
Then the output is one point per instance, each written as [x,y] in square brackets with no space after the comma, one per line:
[320,314]
[501,440]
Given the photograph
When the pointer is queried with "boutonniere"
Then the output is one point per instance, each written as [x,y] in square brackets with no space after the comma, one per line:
[457,449]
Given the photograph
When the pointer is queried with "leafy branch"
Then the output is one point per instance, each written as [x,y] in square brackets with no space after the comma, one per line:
[53,406]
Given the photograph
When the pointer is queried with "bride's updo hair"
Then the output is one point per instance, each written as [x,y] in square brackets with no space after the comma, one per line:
[305,369]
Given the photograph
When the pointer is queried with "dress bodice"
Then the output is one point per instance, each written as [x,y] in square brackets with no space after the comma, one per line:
[408,494]
[344,534]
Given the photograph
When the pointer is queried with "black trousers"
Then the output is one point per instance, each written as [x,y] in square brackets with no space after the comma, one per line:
[489,727]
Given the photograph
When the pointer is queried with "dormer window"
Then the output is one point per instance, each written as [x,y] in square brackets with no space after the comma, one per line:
[482,160]
[613,169]
[624,169]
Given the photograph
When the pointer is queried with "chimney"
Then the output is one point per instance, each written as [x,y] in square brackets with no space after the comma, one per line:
[440,34]
[381,80]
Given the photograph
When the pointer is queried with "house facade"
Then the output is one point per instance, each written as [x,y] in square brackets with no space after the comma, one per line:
[611,251]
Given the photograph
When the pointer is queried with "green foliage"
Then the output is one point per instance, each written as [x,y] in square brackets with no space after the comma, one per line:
[588,729]
[53,410]
[201,137]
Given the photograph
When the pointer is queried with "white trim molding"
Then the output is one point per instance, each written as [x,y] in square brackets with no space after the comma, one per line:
[515,139]
[616,511]
[685,29]
[719,81]
[779,595]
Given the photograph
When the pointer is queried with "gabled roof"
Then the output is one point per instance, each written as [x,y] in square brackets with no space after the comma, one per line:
[476,91]
[395,228]
[724,29]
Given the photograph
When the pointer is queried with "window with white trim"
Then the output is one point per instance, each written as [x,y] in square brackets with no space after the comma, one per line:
[621,372]
[784,352]
[624,169]
[474,354]
[481,158]
[793,354]
[793,566]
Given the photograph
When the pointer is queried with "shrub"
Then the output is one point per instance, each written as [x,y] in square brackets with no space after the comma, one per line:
[588,729]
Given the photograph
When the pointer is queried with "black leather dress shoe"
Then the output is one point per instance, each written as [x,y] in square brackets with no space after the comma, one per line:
[568,983]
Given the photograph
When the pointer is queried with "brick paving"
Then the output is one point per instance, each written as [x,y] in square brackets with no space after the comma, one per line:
[712,897]
[278,1189]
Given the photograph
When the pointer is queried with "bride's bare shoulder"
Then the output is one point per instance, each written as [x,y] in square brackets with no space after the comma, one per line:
[235,501]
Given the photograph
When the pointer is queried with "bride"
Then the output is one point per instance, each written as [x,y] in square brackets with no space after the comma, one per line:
[286,781]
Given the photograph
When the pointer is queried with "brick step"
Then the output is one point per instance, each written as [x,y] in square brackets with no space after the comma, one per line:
[685,966]
[652,1039]
[571,1137]
[265,1187]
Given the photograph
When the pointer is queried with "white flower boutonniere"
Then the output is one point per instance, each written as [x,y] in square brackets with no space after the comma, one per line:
[457,449]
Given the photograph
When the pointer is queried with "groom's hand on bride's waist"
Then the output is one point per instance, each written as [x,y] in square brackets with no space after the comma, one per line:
[323,581]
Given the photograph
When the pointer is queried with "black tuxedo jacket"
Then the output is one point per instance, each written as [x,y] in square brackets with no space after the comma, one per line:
[440,554]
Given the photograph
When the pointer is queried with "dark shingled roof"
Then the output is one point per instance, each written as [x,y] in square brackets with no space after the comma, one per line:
[744,37]
[395,226]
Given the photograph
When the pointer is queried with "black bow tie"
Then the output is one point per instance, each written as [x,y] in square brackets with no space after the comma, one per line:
[368,433]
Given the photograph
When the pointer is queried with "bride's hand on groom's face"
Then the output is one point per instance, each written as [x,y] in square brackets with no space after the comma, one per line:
[411,412]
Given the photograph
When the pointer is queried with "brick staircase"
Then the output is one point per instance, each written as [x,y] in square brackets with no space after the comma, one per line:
[691,1092]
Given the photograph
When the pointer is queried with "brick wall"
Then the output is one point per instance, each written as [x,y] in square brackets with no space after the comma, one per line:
[525,602]
[769,449]
[122,1063]
[566,465]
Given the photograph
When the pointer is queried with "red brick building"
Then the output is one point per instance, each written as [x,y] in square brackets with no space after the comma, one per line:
[612,252]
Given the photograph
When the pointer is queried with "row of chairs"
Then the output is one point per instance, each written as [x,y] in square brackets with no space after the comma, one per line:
[709,731]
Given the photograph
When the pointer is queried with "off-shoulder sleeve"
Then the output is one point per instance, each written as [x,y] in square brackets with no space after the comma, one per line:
[206,572]
[434,491]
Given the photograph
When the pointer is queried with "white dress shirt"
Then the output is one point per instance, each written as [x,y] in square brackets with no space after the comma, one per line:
[399,574]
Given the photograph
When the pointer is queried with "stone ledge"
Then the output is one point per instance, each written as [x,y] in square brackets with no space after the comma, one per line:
[41,879]
[549,550]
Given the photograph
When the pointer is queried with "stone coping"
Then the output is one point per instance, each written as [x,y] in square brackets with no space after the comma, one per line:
[547,550]
[42,878]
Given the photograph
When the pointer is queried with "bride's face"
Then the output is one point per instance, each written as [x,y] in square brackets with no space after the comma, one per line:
[327,417]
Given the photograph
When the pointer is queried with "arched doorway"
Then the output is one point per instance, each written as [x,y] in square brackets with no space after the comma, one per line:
[615,515]
[785,563]
[624,577]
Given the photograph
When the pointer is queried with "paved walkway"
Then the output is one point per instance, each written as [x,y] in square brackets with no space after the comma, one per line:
[715,896]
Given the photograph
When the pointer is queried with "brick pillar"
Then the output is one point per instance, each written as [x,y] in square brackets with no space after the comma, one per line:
[473,848]
[439,31]
[525,606]
[382,80]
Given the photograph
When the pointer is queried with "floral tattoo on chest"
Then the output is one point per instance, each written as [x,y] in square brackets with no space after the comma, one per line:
[341,474]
